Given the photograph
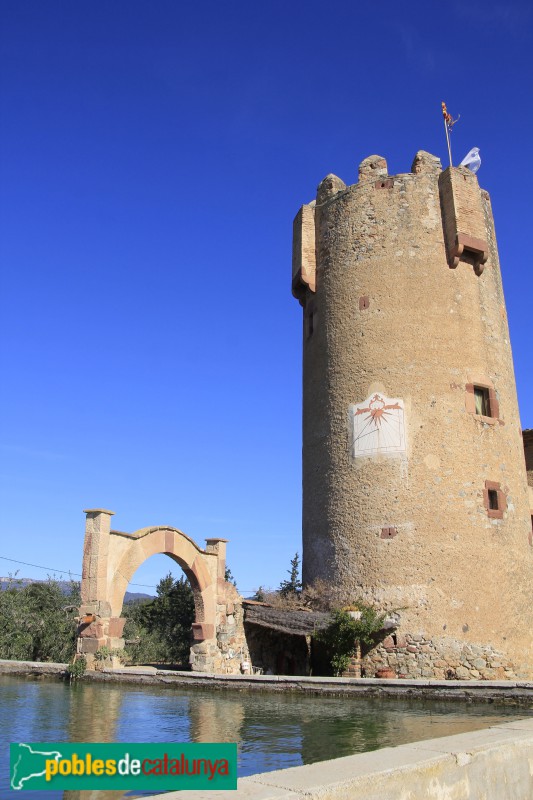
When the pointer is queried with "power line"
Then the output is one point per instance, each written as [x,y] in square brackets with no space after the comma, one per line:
[78,574]
[37,566]
[65,571]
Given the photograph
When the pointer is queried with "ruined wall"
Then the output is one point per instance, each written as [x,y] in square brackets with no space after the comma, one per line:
[228,652]
[414,496]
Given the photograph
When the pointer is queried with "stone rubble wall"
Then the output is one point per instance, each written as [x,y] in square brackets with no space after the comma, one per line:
[228,652]
[412,656]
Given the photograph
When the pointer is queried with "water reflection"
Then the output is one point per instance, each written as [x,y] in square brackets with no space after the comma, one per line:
[200,718]
[272,731]
[214,719]
[101,711]
[94,711]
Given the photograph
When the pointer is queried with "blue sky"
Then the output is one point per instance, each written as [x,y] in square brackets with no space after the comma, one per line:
[152,158]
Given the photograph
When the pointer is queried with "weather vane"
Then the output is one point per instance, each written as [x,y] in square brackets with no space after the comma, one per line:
[449,122]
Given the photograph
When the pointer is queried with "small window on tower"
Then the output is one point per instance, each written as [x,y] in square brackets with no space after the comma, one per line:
[493,499]
[482,401]
[310,324]
[309,319]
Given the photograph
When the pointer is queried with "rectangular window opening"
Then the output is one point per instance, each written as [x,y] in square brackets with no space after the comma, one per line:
[482,401]
[310,323]
[493,500]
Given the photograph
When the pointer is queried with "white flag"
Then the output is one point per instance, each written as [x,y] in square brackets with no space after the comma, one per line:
[472,160]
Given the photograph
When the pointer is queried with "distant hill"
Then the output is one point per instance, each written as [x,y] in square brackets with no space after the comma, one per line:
[129,597]
[135,597]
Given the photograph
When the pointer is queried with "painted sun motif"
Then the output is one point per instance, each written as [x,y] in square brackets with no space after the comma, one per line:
[378,426]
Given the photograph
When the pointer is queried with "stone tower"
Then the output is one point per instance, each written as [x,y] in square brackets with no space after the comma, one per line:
[414,484]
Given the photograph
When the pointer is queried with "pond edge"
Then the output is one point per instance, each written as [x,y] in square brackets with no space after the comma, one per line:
[504,692]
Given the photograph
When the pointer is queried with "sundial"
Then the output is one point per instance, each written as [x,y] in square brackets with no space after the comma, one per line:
[378,426]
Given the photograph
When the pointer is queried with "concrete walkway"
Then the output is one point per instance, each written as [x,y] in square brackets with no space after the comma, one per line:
[491,764]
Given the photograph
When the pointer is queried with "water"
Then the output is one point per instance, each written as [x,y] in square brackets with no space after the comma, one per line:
[273,731]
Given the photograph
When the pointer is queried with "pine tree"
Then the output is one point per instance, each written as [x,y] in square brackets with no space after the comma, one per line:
[228,577]
[293,586]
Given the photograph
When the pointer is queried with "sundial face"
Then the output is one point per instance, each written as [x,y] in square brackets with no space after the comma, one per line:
[378,426]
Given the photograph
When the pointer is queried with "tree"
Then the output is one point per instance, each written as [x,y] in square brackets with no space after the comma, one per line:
[38,621]
[162,625]
[293,586]
[228,576]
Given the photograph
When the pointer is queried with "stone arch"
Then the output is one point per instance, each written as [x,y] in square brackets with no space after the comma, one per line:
[164,540]
[121,581]
[110,559]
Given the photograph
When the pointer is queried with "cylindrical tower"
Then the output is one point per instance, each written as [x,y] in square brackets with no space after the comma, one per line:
[414,483]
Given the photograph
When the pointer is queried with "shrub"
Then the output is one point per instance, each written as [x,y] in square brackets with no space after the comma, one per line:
[77,668]
[344,633]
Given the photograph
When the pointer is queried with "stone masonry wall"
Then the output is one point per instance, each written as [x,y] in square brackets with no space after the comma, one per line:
[414,529]
[461,199]
[413,656]
[229,652]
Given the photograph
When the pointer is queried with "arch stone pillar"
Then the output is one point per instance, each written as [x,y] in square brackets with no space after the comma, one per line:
[110,559]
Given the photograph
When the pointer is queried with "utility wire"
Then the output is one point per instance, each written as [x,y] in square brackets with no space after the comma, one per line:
[78,574]
[65,571]
[37,566]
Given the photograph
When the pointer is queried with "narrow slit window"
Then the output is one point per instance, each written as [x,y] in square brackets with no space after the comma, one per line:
[493,500]
[482,401]
[310,324]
